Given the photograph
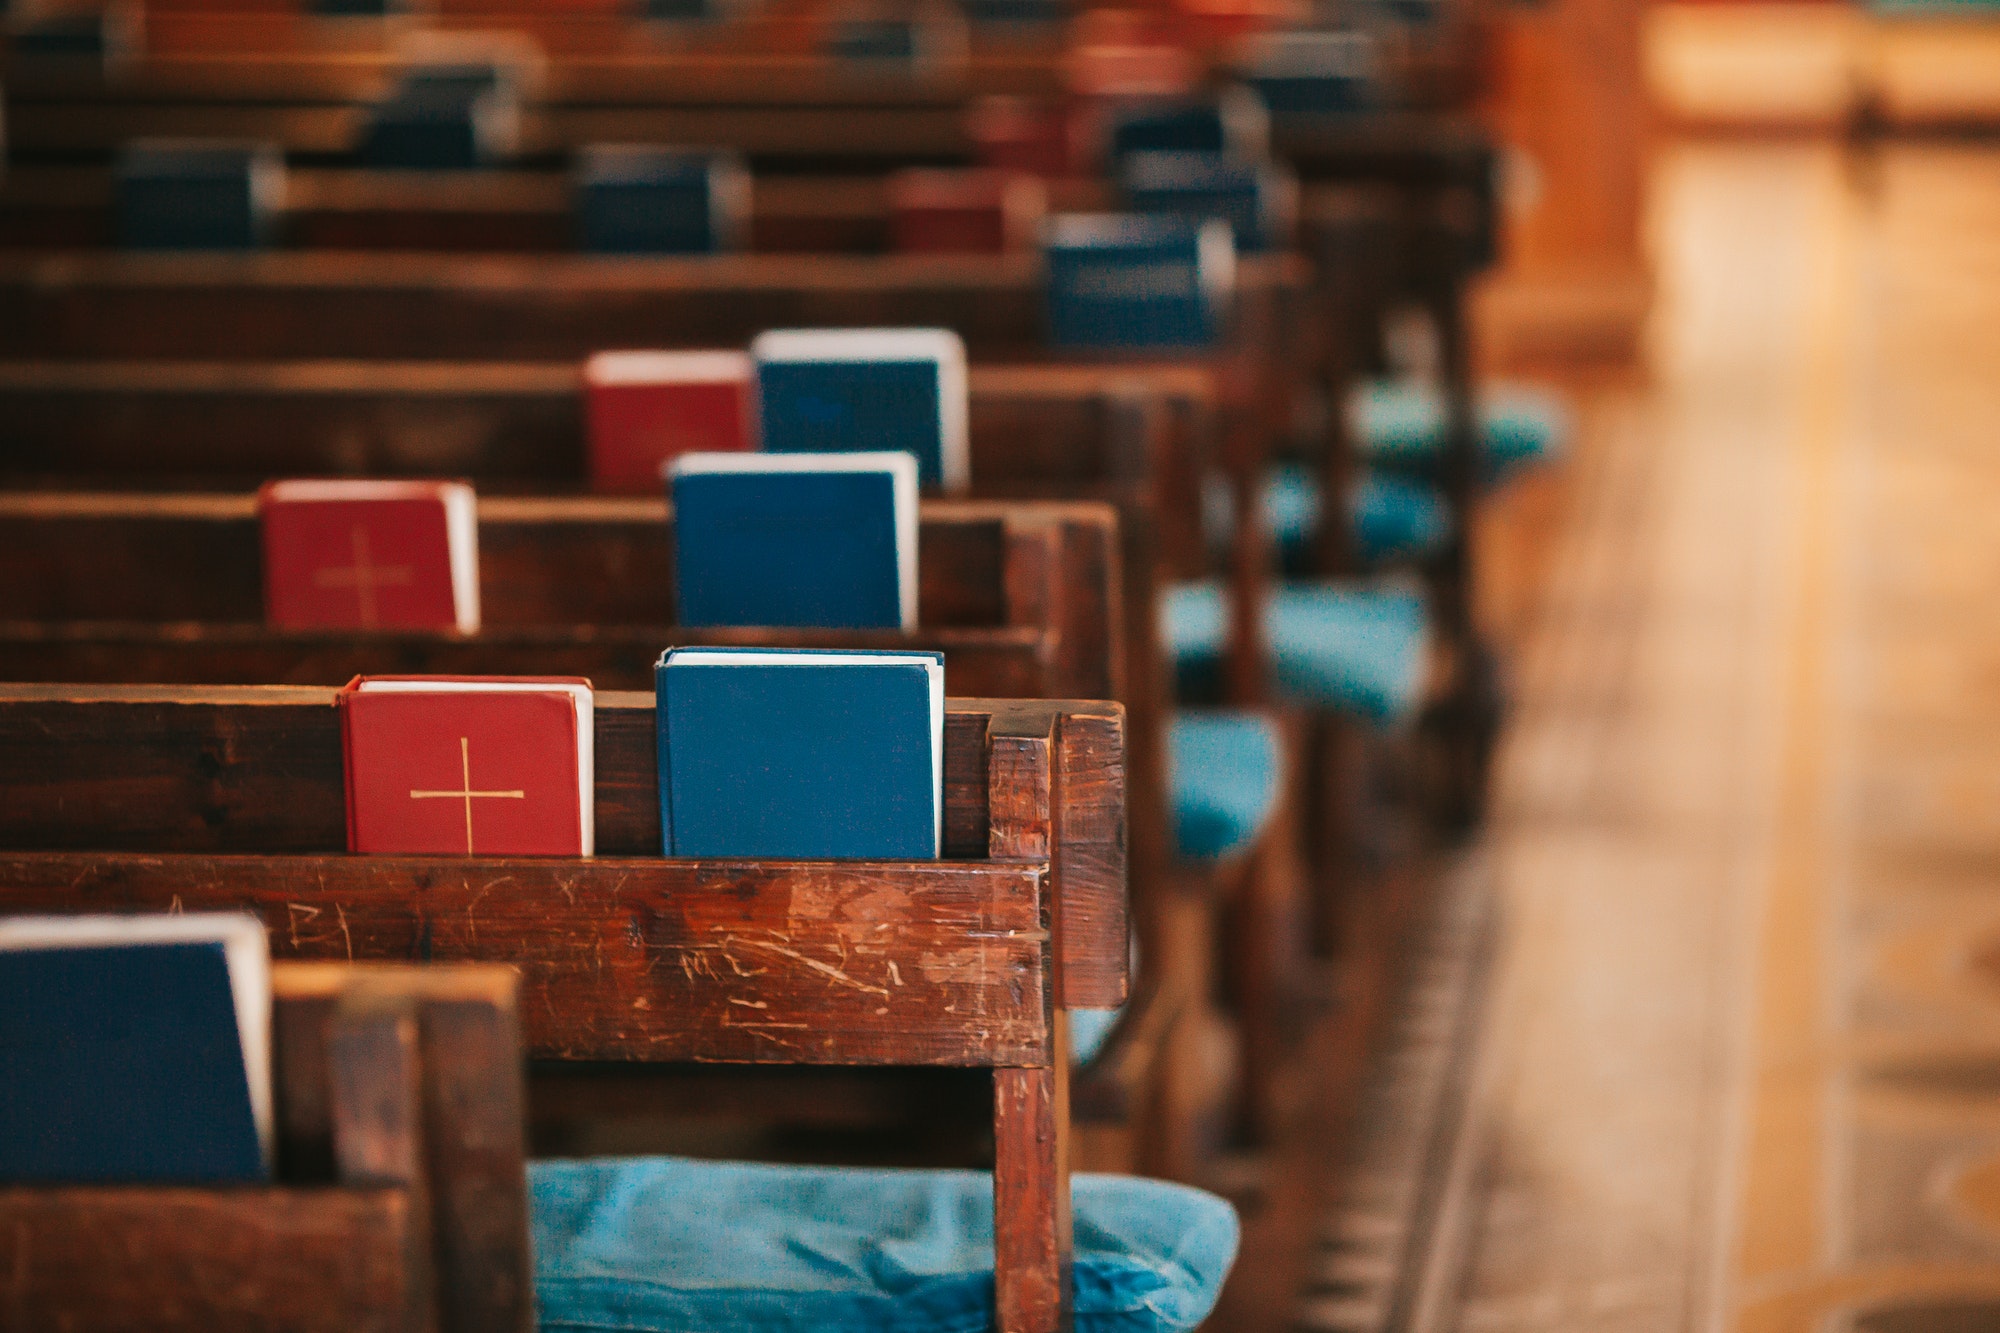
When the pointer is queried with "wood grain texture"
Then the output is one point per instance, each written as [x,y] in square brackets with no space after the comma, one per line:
[498,211]
[1018,595]
[236,423]
[1032,1233]
[257,770]
[107,556]
[275,306]
[111,1259]
[751,962]
[473,1155]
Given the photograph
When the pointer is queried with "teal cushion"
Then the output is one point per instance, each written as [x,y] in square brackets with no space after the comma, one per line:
[1400,425]
[1348,646]
[1398,519]
[1089,1029]
[1393,518]
[681,1246]
[1222,768]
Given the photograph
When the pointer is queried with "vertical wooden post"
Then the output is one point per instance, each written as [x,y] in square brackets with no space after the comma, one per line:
[376,1100]
[1031,1220]
[1031,1216]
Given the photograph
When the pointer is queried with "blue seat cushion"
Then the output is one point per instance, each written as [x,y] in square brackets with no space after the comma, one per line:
[1354,646]
[639,1244]
[1222,771]
[1089,1029]
[1401,425]
[1393,518]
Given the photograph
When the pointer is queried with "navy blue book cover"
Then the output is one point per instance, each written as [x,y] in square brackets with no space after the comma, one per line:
[806,549]
[636,200]
[812,759]
[123,1064]
[1248,196]
[843,406]
[196,196]
[1137,280]
[448,117]
[1193,127]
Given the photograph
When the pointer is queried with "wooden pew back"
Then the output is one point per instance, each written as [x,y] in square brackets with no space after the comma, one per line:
[167,588]
[427,307]
[220,772]
[400,1201]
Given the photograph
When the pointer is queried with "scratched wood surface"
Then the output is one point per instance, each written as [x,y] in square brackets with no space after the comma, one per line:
[942,962]
[168,589]
[235,770]
[266,307]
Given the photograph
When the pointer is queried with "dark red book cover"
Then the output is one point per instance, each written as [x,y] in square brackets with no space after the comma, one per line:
[645,409]
[965,212]
[370,555]
[1012,133]
[468,766]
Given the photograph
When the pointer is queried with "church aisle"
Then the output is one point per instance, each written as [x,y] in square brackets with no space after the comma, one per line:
[1742,1068]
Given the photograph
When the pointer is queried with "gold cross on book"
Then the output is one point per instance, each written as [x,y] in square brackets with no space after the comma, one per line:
[465,792]
[363,576]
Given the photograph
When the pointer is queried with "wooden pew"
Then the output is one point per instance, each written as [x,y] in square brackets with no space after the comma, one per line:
[71,207]
[1023,598]
[233,798]
[399,1201]
[413,306]
[1127,436]
[399,306]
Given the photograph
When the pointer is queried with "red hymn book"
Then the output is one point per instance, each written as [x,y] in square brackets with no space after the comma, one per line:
[390,555]
[469,765]
[965,212]
[646,409]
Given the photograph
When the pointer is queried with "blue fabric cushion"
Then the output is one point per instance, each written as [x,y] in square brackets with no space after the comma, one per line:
[1400,425]
[1089,1029]
[681,1246]
[1223,770]
[1350,646]
[1398,519]
[1393,518]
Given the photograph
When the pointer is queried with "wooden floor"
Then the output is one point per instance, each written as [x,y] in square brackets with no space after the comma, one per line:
[1740,1067]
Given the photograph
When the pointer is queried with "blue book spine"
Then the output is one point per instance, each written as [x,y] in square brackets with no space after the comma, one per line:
[1144,286]
[123,1064]
[846,406]
[1250,198]
[808,549]
[636,200]
[449,118]
[797,761]
[196,197]
[1196,128]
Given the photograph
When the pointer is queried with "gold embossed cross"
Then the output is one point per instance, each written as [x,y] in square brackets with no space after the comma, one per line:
[364,576]
[465,792]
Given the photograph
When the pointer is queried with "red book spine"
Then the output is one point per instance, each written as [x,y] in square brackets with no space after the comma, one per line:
[341,701]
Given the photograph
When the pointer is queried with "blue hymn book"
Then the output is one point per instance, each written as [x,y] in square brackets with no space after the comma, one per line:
[1257,199]
[808,753]
[445,117]
[135,1049]
[637,199]
[849,390]
[1137,280]
[1231,121]
[198,194]
[823,541]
